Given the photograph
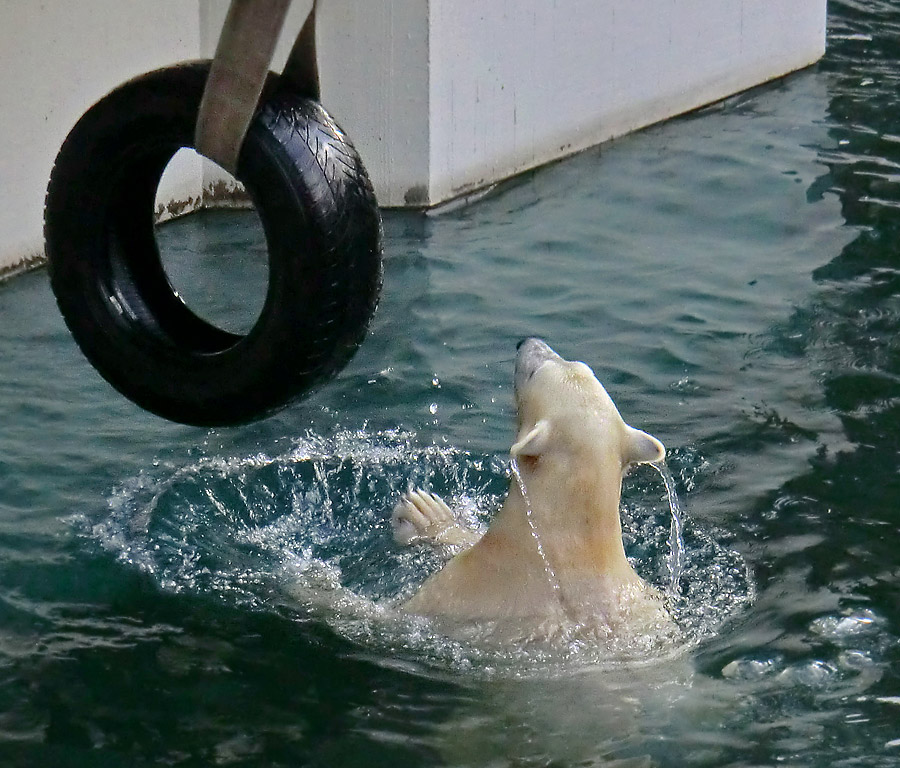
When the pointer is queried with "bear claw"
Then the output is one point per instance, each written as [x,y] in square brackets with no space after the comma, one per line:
[422,516]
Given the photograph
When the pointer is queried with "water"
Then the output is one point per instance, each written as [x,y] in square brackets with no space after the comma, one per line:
[675,558]
[552,578]
[175,596]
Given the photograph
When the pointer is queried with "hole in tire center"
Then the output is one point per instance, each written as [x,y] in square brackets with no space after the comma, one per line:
[211,243]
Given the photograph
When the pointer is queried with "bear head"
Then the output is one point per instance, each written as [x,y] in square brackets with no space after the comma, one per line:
[567,424]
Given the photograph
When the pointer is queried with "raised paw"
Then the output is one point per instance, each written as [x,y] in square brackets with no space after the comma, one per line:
[421,515]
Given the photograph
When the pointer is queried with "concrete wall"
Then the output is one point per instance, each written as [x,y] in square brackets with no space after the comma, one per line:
[515,85]
[56,59]
[440,96]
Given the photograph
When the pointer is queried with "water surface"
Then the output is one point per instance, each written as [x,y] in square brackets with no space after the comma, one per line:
[732,278]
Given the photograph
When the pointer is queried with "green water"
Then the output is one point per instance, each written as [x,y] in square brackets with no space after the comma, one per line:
[176,596]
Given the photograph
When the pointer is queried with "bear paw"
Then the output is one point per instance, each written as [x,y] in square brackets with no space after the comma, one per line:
[422,516]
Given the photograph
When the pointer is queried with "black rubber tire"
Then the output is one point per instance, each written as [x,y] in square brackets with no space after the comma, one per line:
[322,228]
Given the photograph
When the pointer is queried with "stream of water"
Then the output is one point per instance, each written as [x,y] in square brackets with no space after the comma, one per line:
[675,558]
[552,578]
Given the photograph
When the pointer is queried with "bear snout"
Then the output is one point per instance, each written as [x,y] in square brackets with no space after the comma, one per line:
[532,354]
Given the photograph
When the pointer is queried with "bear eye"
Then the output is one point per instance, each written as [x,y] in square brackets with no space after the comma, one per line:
[535,370]
[528,463]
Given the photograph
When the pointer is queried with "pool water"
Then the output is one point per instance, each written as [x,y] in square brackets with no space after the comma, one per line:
[178,596]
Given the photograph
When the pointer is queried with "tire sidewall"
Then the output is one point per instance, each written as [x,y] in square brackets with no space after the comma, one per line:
[142,339]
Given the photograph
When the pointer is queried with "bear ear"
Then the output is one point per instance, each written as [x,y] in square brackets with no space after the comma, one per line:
[534,443]
[642,448]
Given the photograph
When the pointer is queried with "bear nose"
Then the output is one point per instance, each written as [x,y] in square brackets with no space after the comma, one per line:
[527,338]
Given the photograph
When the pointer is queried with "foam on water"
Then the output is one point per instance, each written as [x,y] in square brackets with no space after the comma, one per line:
[306,533]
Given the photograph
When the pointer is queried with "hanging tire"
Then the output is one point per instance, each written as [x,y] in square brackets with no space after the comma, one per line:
[323,235]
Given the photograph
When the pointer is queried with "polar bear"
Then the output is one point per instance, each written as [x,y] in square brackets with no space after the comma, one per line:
[552,560]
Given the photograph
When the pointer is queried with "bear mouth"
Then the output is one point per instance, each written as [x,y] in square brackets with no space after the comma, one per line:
[531,355]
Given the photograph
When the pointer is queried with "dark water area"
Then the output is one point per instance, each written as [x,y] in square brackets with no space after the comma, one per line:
[187,597]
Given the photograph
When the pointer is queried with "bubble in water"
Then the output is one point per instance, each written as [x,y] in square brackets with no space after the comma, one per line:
[855,661]
[840,629]
[749,669]
[811,674]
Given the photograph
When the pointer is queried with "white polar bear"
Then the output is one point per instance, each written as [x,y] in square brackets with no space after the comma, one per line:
[552,561]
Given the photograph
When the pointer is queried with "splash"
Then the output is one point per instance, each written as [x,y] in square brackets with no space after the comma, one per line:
[305,533]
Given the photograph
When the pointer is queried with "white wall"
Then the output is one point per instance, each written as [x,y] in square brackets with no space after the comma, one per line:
[375,79]
[439,96]
[515,85]
[56,59]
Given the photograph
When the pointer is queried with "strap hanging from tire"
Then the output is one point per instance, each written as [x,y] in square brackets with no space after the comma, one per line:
[323,234]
